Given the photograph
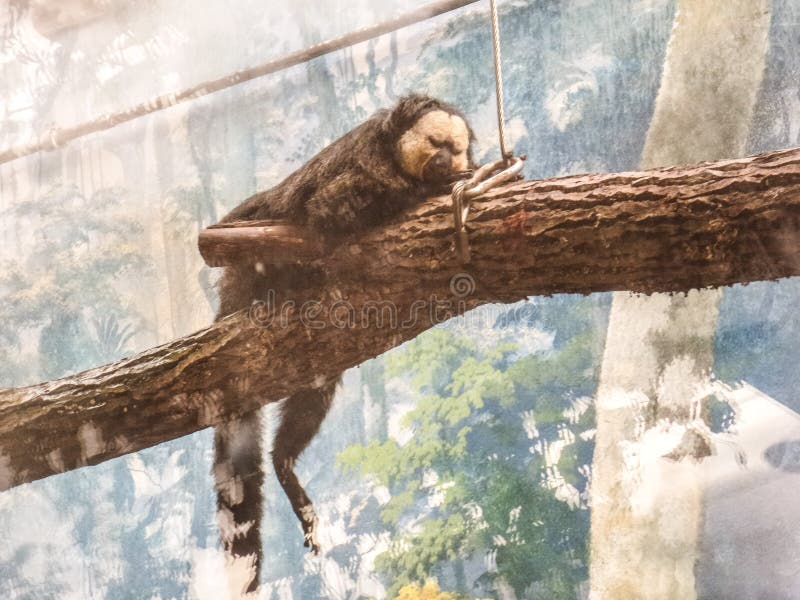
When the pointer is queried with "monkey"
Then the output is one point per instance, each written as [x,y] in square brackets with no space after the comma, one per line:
[395,159]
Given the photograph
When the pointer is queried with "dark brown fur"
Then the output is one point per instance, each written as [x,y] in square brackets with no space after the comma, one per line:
[354,183]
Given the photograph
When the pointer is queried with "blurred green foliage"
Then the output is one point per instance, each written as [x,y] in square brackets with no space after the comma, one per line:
[63,291]
[496,466]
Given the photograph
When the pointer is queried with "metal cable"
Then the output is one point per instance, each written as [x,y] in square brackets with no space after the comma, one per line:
[482,181]
[498,82]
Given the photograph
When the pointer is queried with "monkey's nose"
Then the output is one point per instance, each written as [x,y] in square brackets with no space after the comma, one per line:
[442,160]
[439,167]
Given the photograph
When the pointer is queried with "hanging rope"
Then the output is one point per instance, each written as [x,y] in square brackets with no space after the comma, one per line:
[498,81]
[481,182]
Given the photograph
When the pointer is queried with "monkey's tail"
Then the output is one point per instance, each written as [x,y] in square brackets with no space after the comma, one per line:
[238,478]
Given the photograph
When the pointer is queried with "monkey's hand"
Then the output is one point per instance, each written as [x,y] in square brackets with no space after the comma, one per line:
[459,175]
[446,187]
[308,519]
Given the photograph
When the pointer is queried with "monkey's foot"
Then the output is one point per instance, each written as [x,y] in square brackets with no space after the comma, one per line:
[308,519]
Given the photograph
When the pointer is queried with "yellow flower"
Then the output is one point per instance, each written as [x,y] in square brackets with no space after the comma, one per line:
[429,591]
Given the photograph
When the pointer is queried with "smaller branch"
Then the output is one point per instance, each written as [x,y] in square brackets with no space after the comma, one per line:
[267,241]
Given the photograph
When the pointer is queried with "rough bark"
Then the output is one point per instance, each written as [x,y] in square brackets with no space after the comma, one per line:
[662,230]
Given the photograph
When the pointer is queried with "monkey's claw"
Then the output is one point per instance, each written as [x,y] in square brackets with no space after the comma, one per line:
[309,522]
[312,545]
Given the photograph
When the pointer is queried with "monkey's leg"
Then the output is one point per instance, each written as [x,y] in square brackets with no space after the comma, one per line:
[301,416]
[238,478]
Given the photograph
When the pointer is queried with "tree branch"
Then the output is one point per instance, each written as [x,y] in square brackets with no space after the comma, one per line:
[661,230]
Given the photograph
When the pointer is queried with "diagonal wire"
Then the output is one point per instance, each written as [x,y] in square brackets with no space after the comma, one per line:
[57,137]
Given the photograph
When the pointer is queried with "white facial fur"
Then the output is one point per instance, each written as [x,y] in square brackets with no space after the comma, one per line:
[418,145]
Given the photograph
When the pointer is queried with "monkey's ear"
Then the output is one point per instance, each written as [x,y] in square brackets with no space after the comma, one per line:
[472,137]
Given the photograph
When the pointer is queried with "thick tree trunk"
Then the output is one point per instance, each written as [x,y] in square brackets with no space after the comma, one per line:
[666,229]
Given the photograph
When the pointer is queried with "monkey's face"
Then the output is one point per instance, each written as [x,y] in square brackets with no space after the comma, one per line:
[435,148]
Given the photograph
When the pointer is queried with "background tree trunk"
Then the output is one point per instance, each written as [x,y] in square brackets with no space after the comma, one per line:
[646,509]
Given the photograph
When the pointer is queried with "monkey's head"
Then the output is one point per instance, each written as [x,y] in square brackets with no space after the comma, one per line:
[431,139]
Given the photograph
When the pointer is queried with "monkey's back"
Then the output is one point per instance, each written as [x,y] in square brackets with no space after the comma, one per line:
[359,155]
[349,185]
